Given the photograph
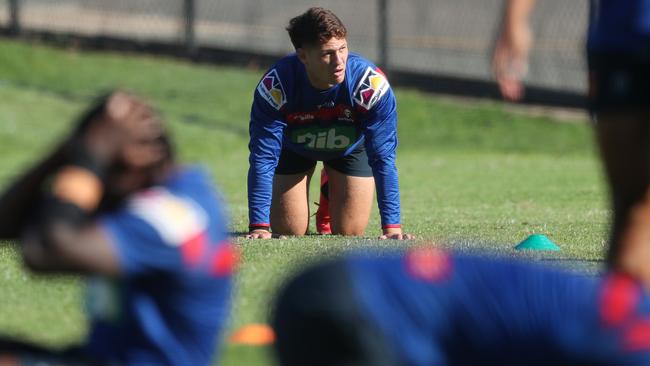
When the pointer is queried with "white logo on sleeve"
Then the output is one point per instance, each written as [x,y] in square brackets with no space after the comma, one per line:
[271,89]
[177,219]
[371,88]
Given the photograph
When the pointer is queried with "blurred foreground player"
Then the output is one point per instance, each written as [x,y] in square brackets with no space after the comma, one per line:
[111,203]
[430,308]
[618,50]
[322,104]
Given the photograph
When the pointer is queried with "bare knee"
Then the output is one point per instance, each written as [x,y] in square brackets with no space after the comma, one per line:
[350,203]
[289,219]
[348,230]
[286,228]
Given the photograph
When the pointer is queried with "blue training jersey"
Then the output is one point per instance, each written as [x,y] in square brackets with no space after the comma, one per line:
[438,309]
[288,112]
[619,25]
[173,297]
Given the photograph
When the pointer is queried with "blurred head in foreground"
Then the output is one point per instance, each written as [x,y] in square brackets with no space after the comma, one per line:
[125,137]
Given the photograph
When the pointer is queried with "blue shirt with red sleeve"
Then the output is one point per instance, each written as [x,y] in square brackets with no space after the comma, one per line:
[434,308]
[173,297]
[288,112]
[619,26]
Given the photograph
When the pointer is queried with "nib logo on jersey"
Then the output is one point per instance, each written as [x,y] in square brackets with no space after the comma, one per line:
[271,89]
[372,87]
[325,139]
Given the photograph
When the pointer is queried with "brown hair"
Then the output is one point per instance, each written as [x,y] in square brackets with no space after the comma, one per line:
[315,26]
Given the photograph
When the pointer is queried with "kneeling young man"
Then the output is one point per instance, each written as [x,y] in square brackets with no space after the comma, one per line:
[322,104]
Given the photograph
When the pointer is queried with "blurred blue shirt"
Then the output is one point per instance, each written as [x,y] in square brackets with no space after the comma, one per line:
[173,299]
[435,308]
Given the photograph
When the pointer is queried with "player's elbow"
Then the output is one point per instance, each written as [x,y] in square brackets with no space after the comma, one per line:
[33,252]
[43,250]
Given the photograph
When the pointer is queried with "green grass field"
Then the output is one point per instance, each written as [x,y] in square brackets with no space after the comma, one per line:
[473,175]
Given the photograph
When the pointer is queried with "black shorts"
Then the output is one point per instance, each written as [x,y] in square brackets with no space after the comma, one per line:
[354,164]
[17,353]
[318,322]
[619,80]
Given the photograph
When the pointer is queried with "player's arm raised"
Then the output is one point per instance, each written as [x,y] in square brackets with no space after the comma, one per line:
[60,232]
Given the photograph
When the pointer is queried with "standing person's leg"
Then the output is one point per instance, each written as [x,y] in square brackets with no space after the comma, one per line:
[351,192]
[620,98]
[624,141]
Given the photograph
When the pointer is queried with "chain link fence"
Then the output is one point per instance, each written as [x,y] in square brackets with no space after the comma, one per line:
[5,14]
[451,38]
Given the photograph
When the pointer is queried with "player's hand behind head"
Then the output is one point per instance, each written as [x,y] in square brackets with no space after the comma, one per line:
[126,131]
